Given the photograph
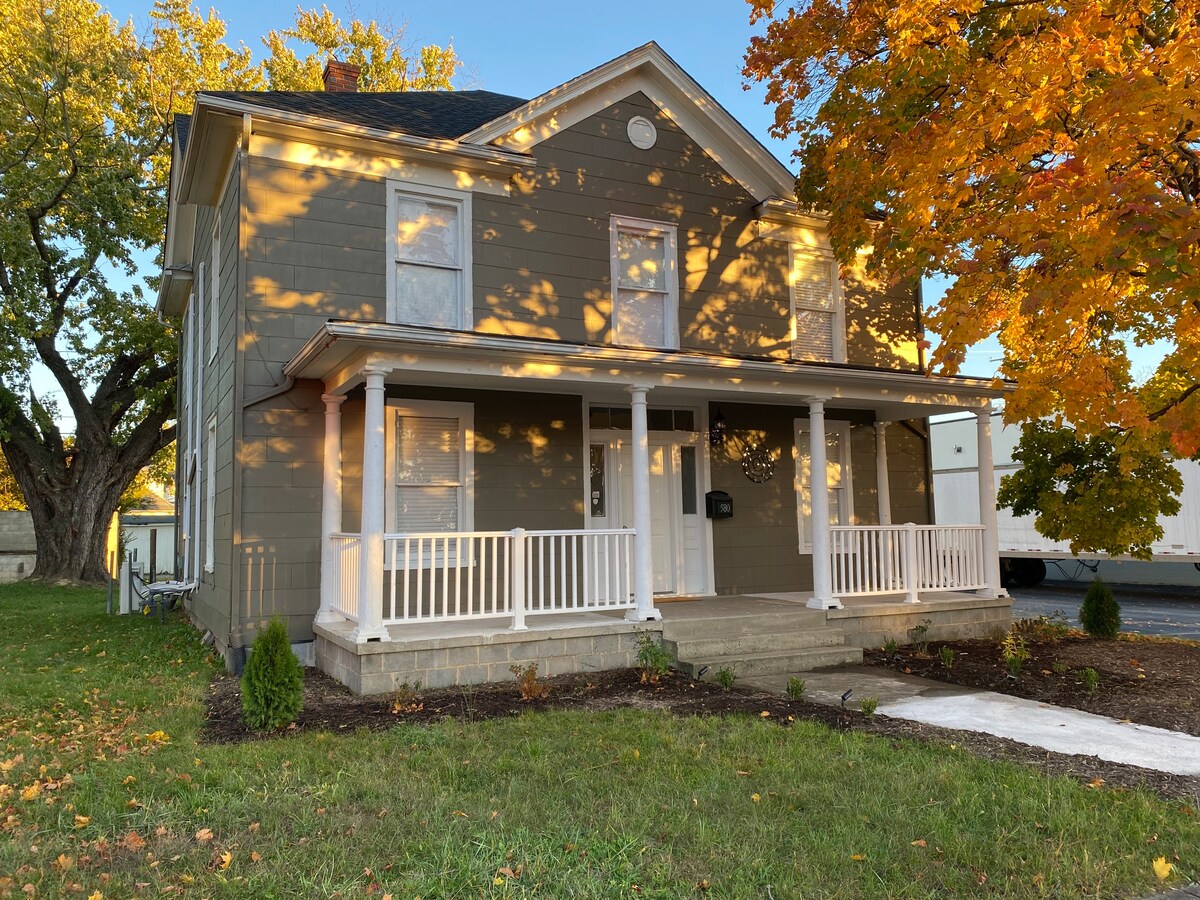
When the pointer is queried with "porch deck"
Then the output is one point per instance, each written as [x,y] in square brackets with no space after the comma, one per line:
[441,654]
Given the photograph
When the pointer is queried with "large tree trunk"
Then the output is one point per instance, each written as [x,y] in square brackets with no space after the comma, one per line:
[72,492]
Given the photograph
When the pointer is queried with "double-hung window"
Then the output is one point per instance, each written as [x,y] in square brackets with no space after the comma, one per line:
[837,469]
[429,279]
[645,292]
[816,307]
[430,451]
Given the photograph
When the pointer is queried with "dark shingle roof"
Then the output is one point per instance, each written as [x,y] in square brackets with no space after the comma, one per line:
[183,124]
[427,114]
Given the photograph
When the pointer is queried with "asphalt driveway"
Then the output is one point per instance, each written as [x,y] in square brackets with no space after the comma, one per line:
[1146,609]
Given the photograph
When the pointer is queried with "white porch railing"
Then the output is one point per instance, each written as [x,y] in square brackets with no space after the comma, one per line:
[872,560]
[455,576]
[347,556]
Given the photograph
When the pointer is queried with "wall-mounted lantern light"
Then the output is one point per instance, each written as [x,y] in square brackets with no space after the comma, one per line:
[716,431]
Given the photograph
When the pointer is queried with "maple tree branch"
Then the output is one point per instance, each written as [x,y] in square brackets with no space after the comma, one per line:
[1174,402]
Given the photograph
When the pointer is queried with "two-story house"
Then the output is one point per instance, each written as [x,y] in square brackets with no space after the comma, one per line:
[468,379]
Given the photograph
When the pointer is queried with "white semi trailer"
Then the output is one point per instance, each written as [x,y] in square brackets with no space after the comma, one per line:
[1026,557]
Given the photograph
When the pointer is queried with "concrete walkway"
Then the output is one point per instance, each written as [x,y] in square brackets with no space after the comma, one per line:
[1027,721]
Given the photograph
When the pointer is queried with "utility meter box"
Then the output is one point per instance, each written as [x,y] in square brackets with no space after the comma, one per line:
[718,505]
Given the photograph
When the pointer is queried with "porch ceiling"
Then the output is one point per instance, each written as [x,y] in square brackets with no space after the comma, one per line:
[340,351]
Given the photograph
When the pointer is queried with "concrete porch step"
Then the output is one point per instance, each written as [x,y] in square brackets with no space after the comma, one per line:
[698,628]
[753,664]
[716,643]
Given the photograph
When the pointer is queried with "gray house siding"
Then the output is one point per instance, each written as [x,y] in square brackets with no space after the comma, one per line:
[528,457]
[758,549]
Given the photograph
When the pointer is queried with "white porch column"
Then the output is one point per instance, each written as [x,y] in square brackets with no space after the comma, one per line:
[643,558]
[819,501]
[370,578]
[882,479]
[331,505]
[987,504]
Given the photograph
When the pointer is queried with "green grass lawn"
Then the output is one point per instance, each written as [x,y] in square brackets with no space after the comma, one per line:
[109,794]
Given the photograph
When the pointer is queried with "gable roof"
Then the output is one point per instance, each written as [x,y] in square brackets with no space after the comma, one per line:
[650,70]
[439,115]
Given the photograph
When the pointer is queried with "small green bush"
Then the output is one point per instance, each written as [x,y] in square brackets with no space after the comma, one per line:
[946,656]
[725,678]
[1060,667]
[272,683]
[654,660]
[1101,614]
[1014,652]
[868,705]
[890,646]
[1091,680]
[795,687]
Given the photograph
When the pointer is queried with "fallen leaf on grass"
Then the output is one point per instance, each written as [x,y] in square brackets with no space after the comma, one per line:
[63,863]
[1162,868]
[509,873]
[204,834]
[253,827]
[226,859]
[920,842]
[858,857]
[255,856]
[755,798]
[83,821]
[133,842]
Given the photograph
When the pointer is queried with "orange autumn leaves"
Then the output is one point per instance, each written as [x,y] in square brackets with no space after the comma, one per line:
[1044,156]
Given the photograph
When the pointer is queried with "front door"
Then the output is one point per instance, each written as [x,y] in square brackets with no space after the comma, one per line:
[676,523]
[663,533]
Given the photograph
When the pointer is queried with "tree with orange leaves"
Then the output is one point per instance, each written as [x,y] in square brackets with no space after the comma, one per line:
[1044,156]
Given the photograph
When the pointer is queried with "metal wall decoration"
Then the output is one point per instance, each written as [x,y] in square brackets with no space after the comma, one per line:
[758,464]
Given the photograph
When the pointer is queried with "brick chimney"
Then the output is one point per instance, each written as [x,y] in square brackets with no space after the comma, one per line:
[340,76]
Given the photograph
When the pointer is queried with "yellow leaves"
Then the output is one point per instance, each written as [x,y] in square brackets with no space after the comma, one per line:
[7,765]
[920,842]
[158,737]
[755,798]
[83,821]
[128,779]
[225,860]
[95,895]
[1162,868]
[32,792]
[63,863]
[859,857]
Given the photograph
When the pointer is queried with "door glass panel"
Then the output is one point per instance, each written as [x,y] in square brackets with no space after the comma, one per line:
[687,474]
[598,504]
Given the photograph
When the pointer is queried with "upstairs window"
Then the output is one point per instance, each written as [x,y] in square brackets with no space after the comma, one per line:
[429,274]
[645,294]
[816,307]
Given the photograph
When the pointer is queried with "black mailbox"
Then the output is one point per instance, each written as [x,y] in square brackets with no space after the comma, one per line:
[718,505]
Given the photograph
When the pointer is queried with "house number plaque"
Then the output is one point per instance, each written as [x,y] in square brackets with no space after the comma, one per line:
[758,464]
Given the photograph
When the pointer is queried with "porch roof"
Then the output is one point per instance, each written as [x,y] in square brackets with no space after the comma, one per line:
[340,351]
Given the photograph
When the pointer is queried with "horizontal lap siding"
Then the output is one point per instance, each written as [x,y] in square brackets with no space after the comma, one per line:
[542,256]
[757,550]
[314,252]
[528,457]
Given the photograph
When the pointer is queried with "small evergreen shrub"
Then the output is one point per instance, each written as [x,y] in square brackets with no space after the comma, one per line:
[272,683]
[725,678]
[1101,613]
[868,705]
[1091,680]
[946,656]
[795,687]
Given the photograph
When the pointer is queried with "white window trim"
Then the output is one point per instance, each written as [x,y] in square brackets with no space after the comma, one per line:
[839,304]
[802,440]
[670,235]
[210,496]
[465,219]
[214,279]
[436,409]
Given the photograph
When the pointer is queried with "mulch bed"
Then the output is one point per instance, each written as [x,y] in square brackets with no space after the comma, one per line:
[329,706]
[1148,681]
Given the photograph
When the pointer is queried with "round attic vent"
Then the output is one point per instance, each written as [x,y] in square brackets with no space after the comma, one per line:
[642,133]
